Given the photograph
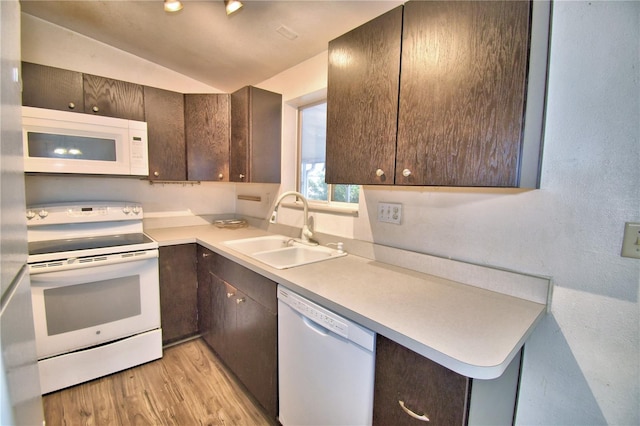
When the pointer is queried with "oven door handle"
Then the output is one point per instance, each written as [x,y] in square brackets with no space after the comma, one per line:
[75,263]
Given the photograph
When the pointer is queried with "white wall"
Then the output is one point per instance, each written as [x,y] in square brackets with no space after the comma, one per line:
[581,365]
[49,44]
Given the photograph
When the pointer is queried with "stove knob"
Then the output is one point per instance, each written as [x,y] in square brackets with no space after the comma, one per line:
[136,209]
[43,213]
[31,214]
[126,209]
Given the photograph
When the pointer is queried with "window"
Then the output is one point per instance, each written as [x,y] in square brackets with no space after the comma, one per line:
[312,145]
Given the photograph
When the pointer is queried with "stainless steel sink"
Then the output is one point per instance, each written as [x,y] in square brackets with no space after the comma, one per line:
[282,252]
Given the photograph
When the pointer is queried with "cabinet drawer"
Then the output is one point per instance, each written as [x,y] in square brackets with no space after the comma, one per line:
[259,288]
[424,387]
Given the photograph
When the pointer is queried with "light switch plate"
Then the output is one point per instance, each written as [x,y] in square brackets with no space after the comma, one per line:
[631,240]
[390,213]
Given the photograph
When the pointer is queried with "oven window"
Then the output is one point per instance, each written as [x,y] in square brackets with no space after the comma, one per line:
[45,145]
[81,306]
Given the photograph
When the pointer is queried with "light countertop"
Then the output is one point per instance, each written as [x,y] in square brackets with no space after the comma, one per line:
[472,331]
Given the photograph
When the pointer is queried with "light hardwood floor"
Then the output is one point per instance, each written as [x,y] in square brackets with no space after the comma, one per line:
[188,386]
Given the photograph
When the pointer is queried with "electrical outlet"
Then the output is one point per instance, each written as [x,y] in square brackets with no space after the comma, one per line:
[390,212]
[631,240]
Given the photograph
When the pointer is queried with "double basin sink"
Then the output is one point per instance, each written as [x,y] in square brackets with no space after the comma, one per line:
[282,252]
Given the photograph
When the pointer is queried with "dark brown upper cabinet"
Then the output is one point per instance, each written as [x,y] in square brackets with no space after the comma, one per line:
[113,98]
[52,88]
[256,122]
[362,102]
[467,104]
[55,88]
[164,112]
[188,135]
[207,121]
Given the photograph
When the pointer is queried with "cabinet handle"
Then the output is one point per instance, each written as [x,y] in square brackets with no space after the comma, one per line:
[239,300]
[72,105]
[422,418]
[220,176]
[406,173]
[230,295]
[379,172]
[95,108]
[206,255]
[156,174]
[241,176]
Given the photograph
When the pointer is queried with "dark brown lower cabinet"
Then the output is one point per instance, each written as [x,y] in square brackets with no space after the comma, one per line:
[178,292]
[241,324]
[409,389]
[205,298]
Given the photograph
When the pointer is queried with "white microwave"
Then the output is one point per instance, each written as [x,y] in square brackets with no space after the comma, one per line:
[71,142]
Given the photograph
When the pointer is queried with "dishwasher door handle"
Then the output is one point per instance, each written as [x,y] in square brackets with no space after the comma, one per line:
[315,327]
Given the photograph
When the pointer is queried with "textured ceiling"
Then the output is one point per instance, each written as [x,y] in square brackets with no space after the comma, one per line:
[202,42]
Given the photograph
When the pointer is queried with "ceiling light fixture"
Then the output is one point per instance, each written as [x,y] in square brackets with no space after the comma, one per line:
[232,6]
[172,5]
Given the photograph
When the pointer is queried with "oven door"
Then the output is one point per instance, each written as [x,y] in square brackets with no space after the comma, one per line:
[79,308]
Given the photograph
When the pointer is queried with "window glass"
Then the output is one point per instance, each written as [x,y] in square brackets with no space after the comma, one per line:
[313,136]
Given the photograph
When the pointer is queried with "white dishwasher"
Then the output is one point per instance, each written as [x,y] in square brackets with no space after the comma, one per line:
[325,365]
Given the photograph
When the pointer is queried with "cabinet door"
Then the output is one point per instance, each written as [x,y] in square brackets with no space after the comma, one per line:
[178,292]
[424,387]
[205,295]
[256,135]
[462,92]
[208,134]
[240,132]
[362,102]
[52,88]
[113,98]
[256,352]
[223,319]
[164,111]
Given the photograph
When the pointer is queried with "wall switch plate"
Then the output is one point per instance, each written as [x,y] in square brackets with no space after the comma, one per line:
[390,213]
[631,240]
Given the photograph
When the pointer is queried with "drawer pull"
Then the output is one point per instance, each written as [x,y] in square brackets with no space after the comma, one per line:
[230,295]
[240,300]
[422,418]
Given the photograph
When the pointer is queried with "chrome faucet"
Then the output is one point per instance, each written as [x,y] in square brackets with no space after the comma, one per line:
[306,233]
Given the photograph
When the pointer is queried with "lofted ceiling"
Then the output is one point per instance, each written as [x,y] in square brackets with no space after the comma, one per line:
[202,42]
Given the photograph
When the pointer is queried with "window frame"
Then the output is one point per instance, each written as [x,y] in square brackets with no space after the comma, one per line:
[319,205]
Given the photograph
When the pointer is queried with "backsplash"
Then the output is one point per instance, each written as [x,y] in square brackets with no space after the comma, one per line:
[204,198]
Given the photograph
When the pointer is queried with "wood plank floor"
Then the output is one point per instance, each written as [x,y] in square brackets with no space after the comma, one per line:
[188,386]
